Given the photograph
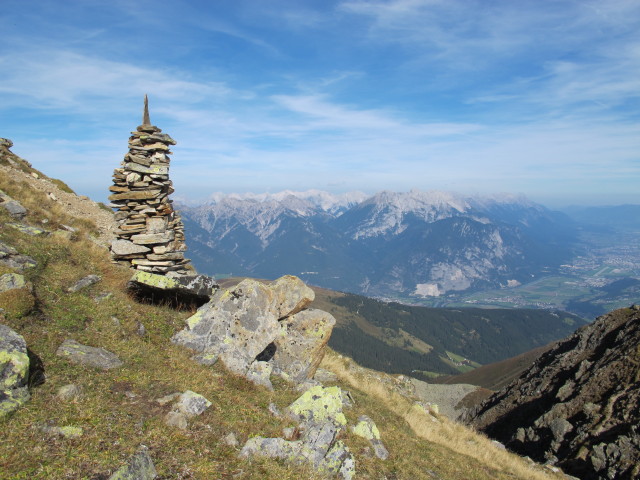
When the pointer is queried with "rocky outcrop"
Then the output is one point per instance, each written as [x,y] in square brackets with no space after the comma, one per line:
[150,233]
[256,328]
[14,371]
[578,405]
[321,421]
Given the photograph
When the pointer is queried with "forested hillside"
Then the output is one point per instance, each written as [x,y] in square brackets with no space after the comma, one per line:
[424,342]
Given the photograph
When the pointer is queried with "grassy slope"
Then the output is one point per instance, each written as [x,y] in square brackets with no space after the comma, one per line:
[117,411]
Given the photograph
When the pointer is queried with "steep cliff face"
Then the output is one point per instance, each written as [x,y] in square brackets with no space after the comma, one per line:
[578,405]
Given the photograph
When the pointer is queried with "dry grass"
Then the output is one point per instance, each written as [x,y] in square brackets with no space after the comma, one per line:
[440,430]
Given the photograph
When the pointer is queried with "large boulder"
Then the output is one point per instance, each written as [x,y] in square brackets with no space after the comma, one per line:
[254,323]
[237,326]
[301,344]
[14,370]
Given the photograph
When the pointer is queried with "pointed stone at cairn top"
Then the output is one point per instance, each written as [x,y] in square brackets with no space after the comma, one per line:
[145,116]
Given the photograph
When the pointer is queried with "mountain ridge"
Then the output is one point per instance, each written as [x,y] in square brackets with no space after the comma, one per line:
[412,243]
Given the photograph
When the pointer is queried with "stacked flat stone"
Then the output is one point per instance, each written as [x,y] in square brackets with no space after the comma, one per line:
[150,234]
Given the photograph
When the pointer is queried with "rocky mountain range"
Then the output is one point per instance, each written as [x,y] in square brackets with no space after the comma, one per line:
[577,406]
[421,244]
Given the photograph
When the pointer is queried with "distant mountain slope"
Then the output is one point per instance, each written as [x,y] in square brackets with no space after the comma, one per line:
[498,375]
[422,342]
[415,243]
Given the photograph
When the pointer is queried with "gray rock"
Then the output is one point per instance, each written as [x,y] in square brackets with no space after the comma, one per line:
[291,295]
[192,404]
[85,355]
[259,373]
[84,283]
[7,250]
[238,326]
[301,344]
[102,296]
[141,330]
[272,448]
[206,358]
[123,247]
[366,428]
[15,209]
[153,238]
[318,447]
[560,427]
[140,467]
[274,410]
[197,287]
[14,371]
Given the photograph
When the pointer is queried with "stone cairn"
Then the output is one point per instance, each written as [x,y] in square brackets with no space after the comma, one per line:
[150,234]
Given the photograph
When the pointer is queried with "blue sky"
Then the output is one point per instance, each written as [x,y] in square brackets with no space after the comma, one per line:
[533,97]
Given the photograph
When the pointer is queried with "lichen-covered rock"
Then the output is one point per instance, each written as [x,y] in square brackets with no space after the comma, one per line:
[85,355]
[33,231]
[190,287]
[238,325]
[320,404]
[301,344]
[339,460]
[291,295]
[140,467]
[317,447]
[12,281]
[14,371]
[366,428]
[9,257]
